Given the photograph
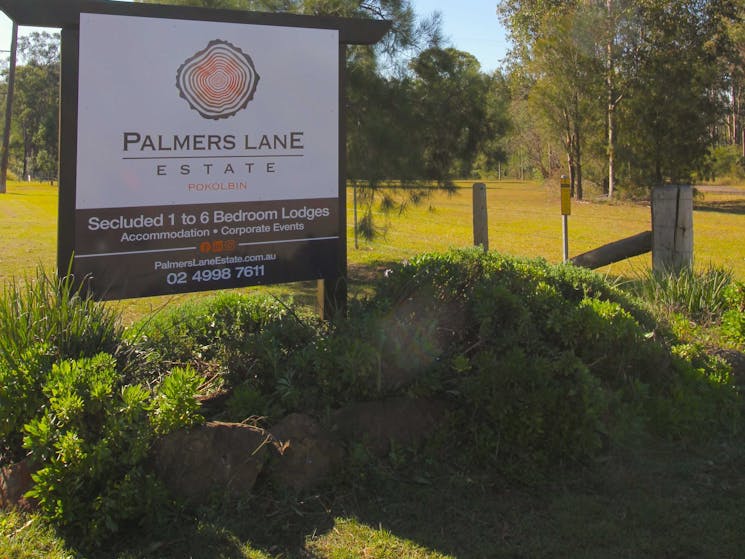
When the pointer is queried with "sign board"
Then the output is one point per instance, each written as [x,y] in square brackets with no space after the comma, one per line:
[207,155]
[207,142]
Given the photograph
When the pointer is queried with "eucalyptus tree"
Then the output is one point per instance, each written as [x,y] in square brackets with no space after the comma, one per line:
[597,29]
[662,58]
[555,56]
[736,84]
[567,83]
[34,130]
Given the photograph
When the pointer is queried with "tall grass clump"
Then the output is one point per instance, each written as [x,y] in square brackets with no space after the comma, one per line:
[700,295]
[47,309]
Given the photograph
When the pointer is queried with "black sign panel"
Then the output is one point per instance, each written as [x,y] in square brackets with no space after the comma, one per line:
[133,252]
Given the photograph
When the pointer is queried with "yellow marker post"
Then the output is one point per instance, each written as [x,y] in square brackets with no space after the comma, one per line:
[566,196]
[566,210]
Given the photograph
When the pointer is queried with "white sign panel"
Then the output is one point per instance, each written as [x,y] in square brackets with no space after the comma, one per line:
[207,154]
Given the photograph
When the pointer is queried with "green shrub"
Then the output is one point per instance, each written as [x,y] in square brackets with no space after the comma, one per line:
[42,321]
[346,363]
[175,406]
[702,399]
[245,402]
[726,162]
[544,363]
[91,440]
[21,398]
[733,319]
[526,413]
[233,329]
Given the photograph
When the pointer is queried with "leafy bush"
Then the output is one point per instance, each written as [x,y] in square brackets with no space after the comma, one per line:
[254,342]
[227,328]
[91,441]
[21,398]
[525,412]
[733,319]
[64,401]
[175,405]
[702,398]
[544,361]
[726,162]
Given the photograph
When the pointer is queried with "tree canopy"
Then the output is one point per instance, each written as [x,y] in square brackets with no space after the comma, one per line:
[619,94]
[633,87]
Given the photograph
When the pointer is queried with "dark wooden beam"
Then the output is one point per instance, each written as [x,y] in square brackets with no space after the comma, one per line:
[615,251]
[66,14]
[68,146]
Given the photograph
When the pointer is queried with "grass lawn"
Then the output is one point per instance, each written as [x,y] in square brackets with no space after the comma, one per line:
[524,220]
[28,227]
[660,501]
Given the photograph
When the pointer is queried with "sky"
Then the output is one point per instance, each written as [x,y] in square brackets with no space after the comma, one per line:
[469,25]
[472,26]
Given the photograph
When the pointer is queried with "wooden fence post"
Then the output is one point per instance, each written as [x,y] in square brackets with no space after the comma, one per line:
[480,218]
[672,228]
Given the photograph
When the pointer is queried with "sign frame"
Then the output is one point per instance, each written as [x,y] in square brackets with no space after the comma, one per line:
[66,15]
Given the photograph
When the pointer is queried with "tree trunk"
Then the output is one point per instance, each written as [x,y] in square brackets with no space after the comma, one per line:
[733,116]
[577,148]
[610,68]
[569,148]
[8,109]
[578,164]
[26,142]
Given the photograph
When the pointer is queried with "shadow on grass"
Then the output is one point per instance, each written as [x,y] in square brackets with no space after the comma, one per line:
[659,501]
[736,207]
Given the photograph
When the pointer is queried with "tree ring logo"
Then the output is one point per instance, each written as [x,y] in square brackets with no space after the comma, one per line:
[218,81]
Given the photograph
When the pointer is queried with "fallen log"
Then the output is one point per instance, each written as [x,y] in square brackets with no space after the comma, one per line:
[615,251]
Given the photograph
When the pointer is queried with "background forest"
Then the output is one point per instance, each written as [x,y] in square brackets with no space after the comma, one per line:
[619,94]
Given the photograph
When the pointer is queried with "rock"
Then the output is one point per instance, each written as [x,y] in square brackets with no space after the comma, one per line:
[406,421]
[15,481]
[215,402]
[213,458]
[308,454]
